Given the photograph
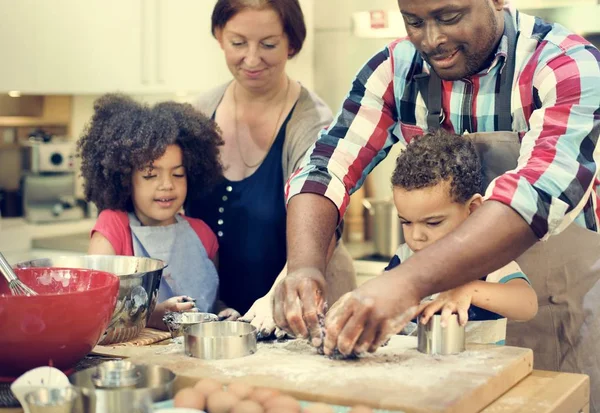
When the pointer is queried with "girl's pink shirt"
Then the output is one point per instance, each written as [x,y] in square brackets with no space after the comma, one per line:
[114,226]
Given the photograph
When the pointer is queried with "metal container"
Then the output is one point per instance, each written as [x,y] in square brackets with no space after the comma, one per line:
[220,340]
[60,400]
[116,374]
[114,391]
[433,339]
[138,291]
[387,230]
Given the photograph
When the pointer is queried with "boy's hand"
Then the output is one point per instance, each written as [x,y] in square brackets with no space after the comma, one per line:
[457,300]
[228,314]
[174,304]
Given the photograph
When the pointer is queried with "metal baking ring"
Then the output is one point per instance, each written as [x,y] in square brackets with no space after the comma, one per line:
[433,339]
[220,340]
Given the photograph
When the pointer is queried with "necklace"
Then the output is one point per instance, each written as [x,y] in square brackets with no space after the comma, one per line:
[237,139]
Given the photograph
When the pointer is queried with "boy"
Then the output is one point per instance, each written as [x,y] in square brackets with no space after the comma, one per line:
[436,186]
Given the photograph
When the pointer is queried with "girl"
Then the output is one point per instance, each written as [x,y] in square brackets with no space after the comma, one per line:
[138,163]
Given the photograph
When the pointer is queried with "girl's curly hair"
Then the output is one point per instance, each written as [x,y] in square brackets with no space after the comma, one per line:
[124,136]
[436,157]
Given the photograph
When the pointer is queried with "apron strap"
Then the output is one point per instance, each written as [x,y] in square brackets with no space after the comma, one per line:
[430,86]
[507,74]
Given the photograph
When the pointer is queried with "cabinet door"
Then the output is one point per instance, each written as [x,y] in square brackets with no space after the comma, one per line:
[189,57]
[71,46]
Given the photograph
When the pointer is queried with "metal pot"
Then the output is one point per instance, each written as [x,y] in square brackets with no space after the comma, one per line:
[138,290]
[387,230]
[114,392]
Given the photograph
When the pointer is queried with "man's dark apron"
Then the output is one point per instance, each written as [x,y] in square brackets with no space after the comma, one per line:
[564,270]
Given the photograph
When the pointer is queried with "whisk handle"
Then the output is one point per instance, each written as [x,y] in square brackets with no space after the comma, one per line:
[6,269]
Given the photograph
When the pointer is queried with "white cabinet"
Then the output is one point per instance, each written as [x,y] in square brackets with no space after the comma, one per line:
[97,46]
[537,4]
[189,58]
[70,46]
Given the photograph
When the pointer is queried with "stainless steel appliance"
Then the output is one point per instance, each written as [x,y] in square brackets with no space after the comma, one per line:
[387,230]
[50,197]
[48,181]
[53,156]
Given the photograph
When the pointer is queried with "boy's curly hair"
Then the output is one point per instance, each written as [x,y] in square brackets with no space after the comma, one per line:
[124,136]
[436,157]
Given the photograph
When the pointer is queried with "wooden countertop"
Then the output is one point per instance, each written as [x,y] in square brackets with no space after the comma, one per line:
[540,392]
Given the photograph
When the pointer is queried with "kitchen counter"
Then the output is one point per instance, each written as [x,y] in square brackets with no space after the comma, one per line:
[22,241]
[18,234]
[77,242]
[540,392]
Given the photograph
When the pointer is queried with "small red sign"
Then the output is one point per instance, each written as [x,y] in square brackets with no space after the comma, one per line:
[378,19]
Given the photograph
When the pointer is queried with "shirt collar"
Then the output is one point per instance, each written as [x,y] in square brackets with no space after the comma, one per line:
[501,54]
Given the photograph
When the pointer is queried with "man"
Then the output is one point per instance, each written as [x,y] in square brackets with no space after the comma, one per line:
[527,93]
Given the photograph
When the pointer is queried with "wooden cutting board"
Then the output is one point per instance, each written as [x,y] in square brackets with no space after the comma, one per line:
[397,377]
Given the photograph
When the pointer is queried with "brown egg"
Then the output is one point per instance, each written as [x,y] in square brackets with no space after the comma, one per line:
[280,410]
[262,394]
[361,409]
[190,398]
[282,402]
[241,390]
[221,402]
[208,386]
[247,406]
[318,408]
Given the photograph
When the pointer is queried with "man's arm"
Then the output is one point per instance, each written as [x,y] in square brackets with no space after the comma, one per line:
[300,300]
[318,193]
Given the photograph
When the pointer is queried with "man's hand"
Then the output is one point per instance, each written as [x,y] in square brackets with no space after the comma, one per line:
[457,300]
[174,304]
[298,303]
[364,319]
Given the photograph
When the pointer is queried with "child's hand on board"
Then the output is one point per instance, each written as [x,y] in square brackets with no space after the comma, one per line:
[228,314]
[455,301]
[260,315]
[174,304]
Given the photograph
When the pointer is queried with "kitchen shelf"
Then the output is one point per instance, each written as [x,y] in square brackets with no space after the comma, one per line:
[23,121]
[5,146]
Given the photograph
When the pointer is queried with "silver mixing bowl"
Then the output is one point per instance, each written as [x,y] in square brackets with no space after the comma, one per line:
[138,291]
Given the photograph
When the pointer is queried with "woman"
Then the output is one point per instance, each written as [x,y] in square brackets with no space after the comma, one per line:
[268,121]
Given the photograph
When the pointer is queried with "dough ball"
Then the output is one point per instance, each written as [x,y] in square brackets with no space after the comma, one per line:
[221,402]
[261,395]
[283,402]
[241,390]
[247,406]
[190,398]
[318,408]
[208,386]
[361,409]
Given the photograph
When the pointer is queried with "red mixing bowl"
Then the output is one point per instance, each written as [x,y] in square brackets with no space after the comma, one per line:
[61,324]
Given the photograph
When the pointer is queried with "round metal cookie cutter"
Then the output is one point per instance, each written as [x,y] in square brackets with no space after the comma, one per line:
[220,340]
[433,339]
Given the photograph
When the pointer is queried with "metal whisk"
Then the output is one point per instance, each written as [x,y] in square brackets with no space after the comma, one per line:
[16,286]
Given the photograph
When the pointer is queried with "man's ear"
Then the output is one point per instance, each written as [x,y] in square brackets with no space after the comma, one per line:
[475,202]
[498,4]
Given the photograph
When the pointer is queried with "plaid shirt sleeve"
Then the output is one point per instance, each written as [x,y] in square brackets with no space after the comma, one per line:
[557,170]
[357,140]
